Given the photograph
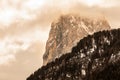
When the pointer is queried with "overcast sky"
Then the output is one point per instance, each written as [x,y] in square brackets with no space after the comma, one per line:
[25,25]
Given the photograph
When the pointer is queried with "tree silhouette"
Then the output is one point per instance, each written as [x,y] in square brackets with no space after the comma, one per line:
[96,57]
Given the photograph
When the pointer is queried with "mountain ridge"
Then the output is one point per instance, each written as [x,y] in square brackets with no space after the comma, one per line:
[96,57]
[67,31]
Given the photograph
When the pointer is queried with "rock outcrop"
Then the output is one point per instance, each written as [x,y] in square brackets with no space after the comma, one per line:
[96,57]
[67,31]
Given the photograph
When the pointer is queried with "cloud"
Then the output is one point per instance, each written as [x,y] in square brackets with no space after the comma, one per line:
[27,61]
[35,23]
[33,5]
[27,21]
[11,44]
[13,10]
[100,3]
[6,59]
[25,25]
[17,11]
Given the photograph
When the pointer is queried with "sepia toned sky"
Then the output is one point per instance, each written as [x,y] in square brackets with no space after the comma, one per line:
[25,25]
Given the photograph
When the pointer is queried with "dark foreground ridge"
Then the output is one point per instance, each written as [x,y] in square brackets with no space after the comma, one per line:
[96,57]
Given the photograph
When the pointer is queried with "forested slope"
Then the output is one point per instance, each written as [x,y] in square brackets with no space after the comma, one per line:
[96,57]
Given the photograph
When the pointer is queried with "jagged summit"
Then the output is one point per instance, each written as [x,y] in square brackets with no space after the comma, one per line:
[96,57]
[67,31]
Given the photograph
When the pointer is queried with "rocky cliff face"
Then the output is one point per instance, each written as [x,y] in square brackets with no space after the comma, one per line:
[67,31]
[96,57]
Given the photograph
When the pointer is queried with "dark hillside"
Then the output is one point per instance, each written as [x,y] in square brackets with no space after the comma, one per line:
[96,57]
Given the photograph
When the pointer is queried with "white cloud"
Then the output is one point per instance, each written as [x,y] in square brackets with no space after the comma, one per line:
[5,59]
[11,15]
[33,4]
[7,16]
[10,45]
[13,10]
[92,2]
[100,3]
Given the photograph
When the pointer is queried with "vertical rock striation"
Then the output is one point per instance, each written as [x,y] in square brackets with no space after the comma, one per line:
[67,31]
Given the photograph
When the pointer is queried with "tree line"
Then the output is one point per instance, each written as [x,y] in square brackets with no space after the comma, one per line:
[96,57]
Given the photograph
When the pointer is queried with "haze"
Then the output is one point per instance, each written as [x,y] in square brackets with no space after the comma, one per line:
[25,25]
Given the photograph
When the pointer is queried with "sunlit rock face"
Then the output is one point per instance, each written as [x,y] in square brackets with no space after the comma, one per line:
[95,57]
[67,31]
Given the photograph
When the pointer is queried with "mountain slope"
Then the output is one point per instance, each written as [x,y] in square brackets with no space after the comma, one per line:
[96,57]
[67,31]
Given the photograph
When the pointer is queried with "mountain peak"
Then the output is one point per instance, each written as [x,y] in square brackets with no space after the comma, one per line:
[68,30]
